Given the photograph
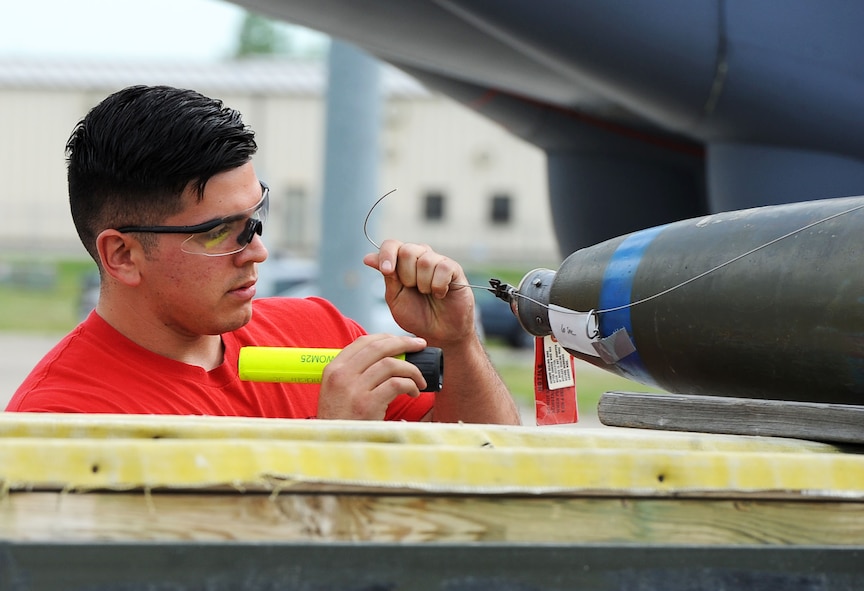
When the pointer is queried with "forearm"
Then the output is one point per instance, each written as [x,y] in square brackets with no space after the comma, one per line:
[473,392]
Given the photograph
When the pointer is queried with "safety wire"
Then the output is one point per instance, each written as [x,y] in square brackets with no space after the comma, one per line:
[512,292]
[733,260]
[378,246]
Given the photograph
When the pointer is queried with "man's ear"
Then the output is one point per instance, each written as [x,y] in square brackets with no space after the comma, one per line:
[120,255]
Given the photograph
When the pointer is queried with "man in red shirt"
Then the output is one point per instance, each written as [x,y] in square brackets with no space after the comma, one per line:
[165,198]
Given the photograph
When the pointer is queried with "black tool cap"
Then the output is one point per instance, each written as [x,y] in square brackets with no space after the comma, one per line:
[431,363]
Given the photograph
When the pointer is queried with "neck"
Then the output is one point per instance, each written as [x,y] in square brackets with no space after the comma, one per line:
[205,351]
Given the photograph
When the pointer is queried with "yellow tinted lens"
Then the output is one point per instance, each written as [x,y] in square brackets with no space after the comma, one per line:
[221,239]
[224,238]
[216,238]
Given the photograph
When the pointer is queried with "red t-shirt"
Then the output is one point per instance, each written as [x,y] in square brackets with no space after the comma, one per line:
[95,369]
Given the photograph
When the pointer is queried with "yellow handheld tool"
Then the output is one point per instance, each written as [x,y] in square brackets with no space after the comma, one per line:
[305,365]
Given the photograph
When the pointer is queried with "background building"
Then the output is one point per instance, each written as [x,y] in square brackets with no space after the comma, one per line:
[464,185]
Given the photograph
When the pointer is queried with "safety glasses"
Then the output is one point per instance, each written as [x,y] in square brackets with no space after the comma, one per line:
[228,235]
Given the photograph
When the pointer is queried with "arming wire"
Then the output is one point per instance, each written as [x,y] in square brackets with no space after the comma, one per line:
[369,213]
[507,292]
[378,246]
[734,259]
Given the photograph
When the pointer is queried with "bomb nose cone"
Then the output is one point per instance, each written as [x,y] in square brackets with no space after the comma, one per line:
[531,302]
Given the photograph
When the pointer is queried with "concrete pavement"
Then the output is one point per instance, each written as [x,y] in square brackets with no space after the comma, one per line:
[18,354]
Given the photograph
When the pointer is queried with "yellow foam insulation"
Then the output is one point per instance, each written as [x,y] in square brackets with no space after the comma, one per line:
[99,452]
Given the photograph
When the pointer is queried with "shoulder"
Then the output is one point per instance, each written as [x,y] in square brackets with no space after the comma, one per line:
[67,371]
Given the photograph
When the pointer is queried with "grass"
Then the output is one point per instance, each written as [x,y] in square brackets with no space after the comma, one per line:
[41,296]
[517,371]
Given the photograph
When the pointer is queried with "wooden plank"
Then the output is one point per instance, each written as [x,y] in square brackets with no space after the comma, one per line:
[835,423]
[247,517]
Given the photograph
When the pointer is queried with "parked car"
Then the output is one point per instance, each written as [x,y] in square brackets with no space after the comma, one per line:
[275,275]
[88,296]
[499,322]
[280,273]
[380,318]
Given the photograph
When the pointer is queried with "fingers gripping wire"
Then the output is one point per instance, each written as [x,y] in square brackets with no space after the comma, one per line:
[378,246]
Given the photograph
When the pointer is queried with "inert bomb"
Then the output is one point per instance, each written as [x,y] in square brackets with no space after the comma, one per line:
[759,303]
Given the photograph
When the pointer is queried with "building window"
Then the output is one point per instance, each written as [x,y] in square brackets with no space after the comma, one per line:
[501,210]
[433,207]
[295,220]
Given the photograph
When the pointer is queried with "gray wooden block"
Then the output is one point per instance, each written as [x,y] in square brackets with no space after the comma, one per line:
[835,423]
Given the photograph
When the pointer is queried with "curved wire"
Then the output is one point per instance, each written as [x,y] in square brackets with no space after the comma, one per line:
[712,269]
[732,260]
[648,298]
[369,213]
[378,246]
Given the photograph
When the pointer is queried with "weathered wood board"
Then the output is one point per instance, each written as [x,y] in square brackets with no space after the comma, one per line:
[836,423]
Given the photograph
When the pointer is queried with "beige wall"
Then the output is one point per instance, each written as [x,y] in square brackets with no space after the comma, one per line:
[36,126]
[435,145]
[428,144]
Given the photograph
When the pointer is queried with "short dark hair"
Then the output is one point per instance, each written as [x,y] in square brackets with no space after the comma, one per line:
[134,154]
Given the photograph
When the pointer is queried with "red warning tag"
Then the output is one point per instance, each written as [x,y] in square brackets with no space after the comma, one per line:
[554,383]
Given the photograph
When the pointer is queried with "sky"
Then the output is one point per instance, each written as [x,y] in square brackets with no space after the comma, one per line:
[122,29]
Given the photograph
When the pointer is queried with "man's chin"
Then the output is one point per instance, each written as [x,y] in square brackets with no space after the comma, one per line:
[238,319]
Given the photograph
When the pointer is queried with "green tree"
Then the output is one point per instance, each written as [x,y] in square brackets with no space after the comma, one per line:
[261,36]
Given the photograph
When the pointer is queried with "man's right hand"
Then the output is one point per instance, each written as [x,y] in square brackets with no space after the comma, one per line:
[365,377]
